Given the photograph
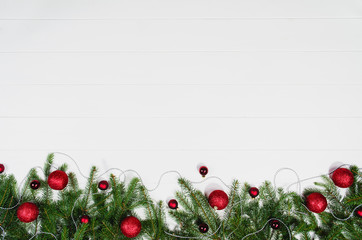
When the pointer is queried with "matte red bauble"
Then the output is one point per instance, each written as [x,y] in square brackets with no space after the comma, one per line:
[173,204]
[85,219]
[58,180]
[253,192]
[2,168]
[316,202]
[274,224]
[103,185]
[35,184]
[27,212]
[131,227]
[342,177]
[203,171]
[218,199]
[203,228]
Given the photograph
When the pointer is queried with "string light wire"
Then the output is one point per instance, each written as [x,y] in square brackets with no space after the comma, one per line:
[208,235]
[43,233]
[253,233]
[3,232]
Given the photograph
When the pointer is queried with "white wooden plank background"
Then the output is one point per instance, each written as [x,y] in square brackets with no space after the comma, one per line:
[162,85]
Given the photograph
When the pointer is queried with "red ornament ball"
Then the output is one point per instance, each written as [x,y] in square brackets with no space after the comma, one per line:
[316,202]
[218,199]
[58,180]
[253,192]
[2,168]
[342,177]
[103,185]
[359,212]
[173,204]
[85,219]
[35,184]
[27,212]
[203,171]
[131,227]
[203,228]
[274,224]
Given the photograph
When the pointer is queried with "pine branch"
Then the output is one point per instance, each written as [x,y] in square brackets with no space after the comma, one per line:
[242,217]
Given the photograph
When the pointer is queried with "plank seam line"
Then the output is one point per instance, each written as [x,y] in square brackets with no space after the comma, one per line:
[191,150]
[178,51]
[181,117]
[183,84]
[181,18]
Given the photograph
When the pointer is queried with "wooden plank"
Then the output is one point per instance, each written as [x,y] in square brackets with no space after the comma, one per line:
[183,68]
[176,9]
[181,134]
[180,101]
[181,35]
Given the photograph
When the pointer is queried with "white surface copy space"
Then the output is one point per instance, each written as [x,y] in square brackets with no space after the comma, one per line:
[246,87]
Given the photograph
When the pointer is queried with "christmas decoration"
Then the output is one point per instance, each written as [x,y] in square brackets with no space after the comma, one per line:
[57,213]
[173,204]
[274,224]
[35,184]
[2,168]
[58,180]
[316,202]
[103,185]
[84,219]
[253,192]
[203,228]
[342,178]
[27,212]
[359,212]
[218,199]
[131,227]
[203,170]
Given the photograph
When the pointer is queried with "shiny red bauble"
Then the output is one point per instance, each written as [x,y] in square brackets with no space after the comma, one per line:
[27,212]
[274,224]
[218,199]
[103,185]
[316,202]
[35,184]
[173,204]
[203,228]
[342,177]
[2,168]
[131,227]
[253,192]
[203,170]
[84,219]
[359,212]
[58,180]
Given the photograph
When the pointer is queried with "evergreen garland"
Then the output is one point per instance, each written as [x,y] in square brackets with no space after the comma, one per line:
[273,214]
